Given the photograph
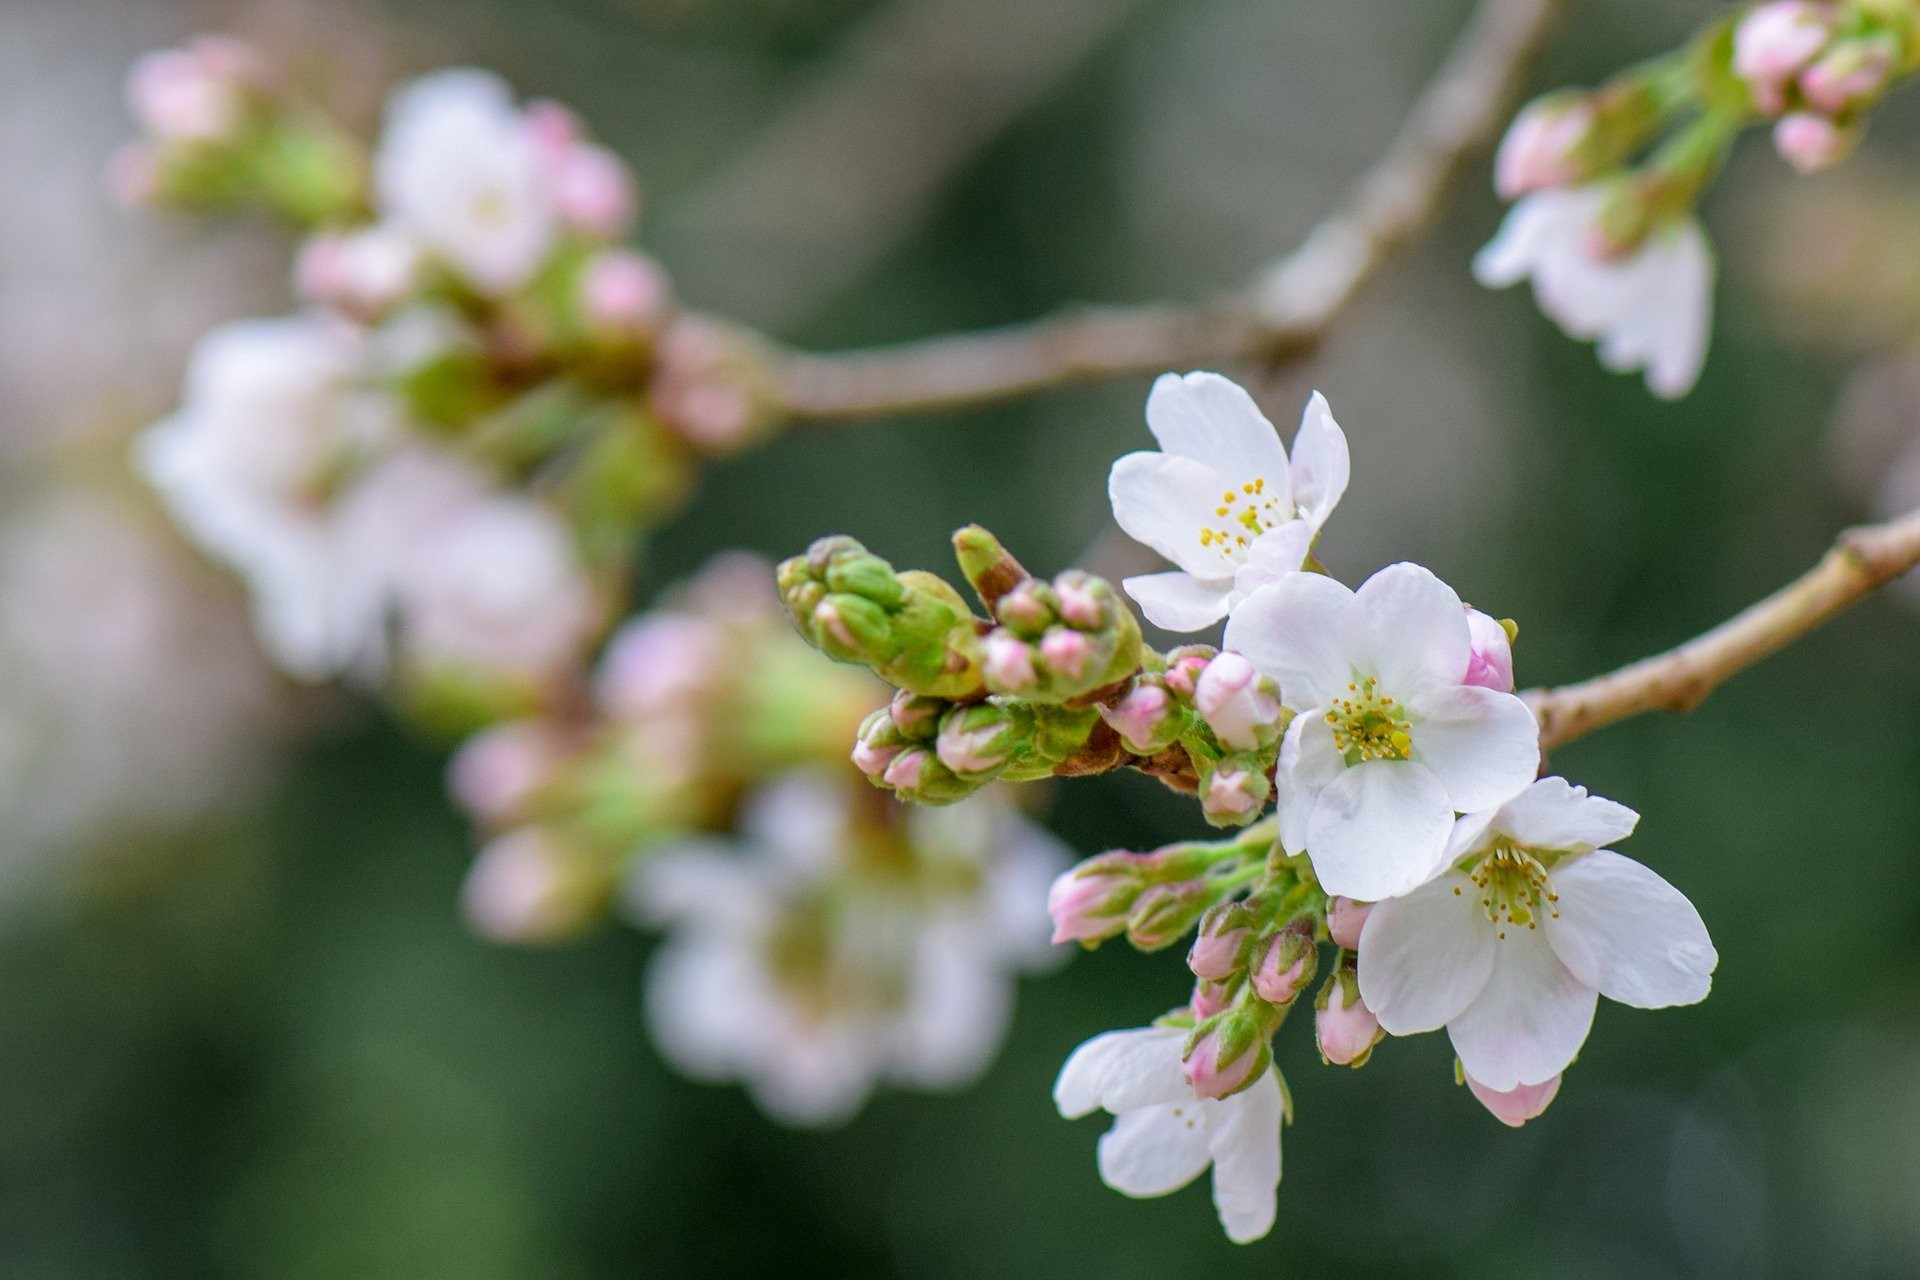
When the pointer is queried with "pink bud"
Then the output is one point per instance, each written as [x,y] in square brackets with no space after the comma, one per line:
[525,888]
[1538,149]
[623,292]
[1491,665]
[495,772]
[1184,670]
[1234,794]
[554,129]
[1516,1106]
[362,273]
[1140,717]
[1809,142]
[969,751]
[1285,966]
[1236,704]
[1079,605]
[873,760]
[1212,1078]
[177,97]
[1847,76]
[1346,1030]
[1219,947]
[1345,919]
[657,660]
[1008,664]
[594,192]
[910,711]
[1209,998]
[908,770]
[1066,652]
[1091,901]
[1773,42]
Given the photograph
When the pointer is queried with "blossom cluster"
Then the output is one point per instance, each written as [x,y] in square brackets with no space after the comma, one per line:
[1409,830]
[1605,182]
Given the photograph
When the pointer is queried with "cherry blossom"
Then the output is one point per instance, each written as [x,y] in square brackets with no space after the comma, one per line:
[1221,499]
[1533,920]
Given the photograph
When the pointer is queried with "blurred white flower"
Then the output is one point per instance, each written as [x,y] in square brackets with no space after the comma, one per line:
[1221,499]
[1388,741]
[361,272]
[270,417]
[459,168]
[835,947]
[1163,1136]
[1511,948]
[1649,309]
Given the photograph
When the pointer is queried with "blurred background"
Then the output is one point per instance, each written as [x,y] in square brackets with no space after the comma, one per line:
[243,1030]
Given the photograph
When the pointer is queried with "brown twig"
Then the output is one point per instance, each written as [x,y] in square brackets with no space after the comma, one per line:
[1283,314]
[1862,560]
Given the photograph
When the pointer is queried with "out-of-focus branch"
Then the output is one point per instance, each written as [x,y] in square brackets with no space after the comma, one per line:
[1862,560]
[1285,311]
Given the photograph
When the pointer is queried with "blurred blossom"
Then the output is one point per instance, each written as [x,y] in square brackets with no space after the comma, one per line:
[844,942]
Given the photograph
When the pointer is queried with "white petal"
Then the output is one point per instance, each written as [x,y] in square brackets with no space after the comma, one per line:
[1530,1019]
[1529,227]
[701,879]
[1179,601]
[1154,1150]
[1165,502]
[1555,814]
[1628,932]
[1211,419]
[818,1078]
[1307,762]
[1243,1132]
[1685,314]
[1482,744]
[1379,830]
[1122,1070]
[801,820]
[1273,555]
[1408,628]
[1292,632]
[1470,834]
[702,1004]
[1424,957]
[1321,465]
[957,1011]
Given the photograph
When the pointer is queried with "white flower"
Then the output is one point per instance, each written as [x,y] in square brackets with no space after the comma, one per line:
[812,980]
[1650,309]
[270,413]
[1388,741]
[1221,500]
[1510,949]
[1163,1136]
[459,168]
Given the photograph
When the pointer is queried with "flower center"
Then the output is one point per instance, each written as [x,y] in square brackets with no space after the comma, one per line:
[1244,513]
[1368,725]
[1513,888]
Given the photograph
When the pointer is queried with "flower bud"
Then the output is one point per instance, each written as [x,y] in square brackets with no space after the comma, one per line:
[1220,945]
[1491,663]
[979,739]
[1345,919]
[1092,902]
[1286,965]
[1849,75]
[1515,1107]
[1026,610]
[194,94]
[1184,668]
[1080,605]
[1240,705]
[911,628]
[527,887]
[1809,141]
[1344,1026]
[876,745]
[1066,652]
[494,773]
[1145,716]
[1164,912]
[1234,795]
[1541,145]
[1228,1052]
[1210,998]
[1773,42]
[624,293]
[1008,664]
[593,192]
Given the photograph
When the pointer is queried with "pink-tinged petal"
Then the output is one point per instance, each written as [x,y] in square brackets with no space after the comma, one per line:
[1555,814]
[1179,601]
[1243,1134]
[1292,632]
[1165,502]
[1321,465]
[1410,629]
[1514,1107]
[1122,1070]
[1623,929]
[1379,830]
[1530,1019]
[1426,956]
[1482,745]
[1212,420]
[1155,1150]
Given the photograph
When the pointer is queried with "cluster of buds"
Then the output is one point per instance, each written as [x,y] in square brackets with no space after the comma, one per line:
[1817,67]
[1060,641]
[912,628]
[1153,898]
[222,131]
[935,752]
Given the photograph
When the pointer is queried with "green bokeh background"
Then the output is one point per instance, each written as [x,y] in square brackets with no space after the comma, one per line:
[267,1047]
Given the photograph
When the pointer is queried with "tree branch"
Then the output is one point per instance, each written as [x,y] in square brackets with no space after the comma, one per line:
[1283,314]
[1862,560]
